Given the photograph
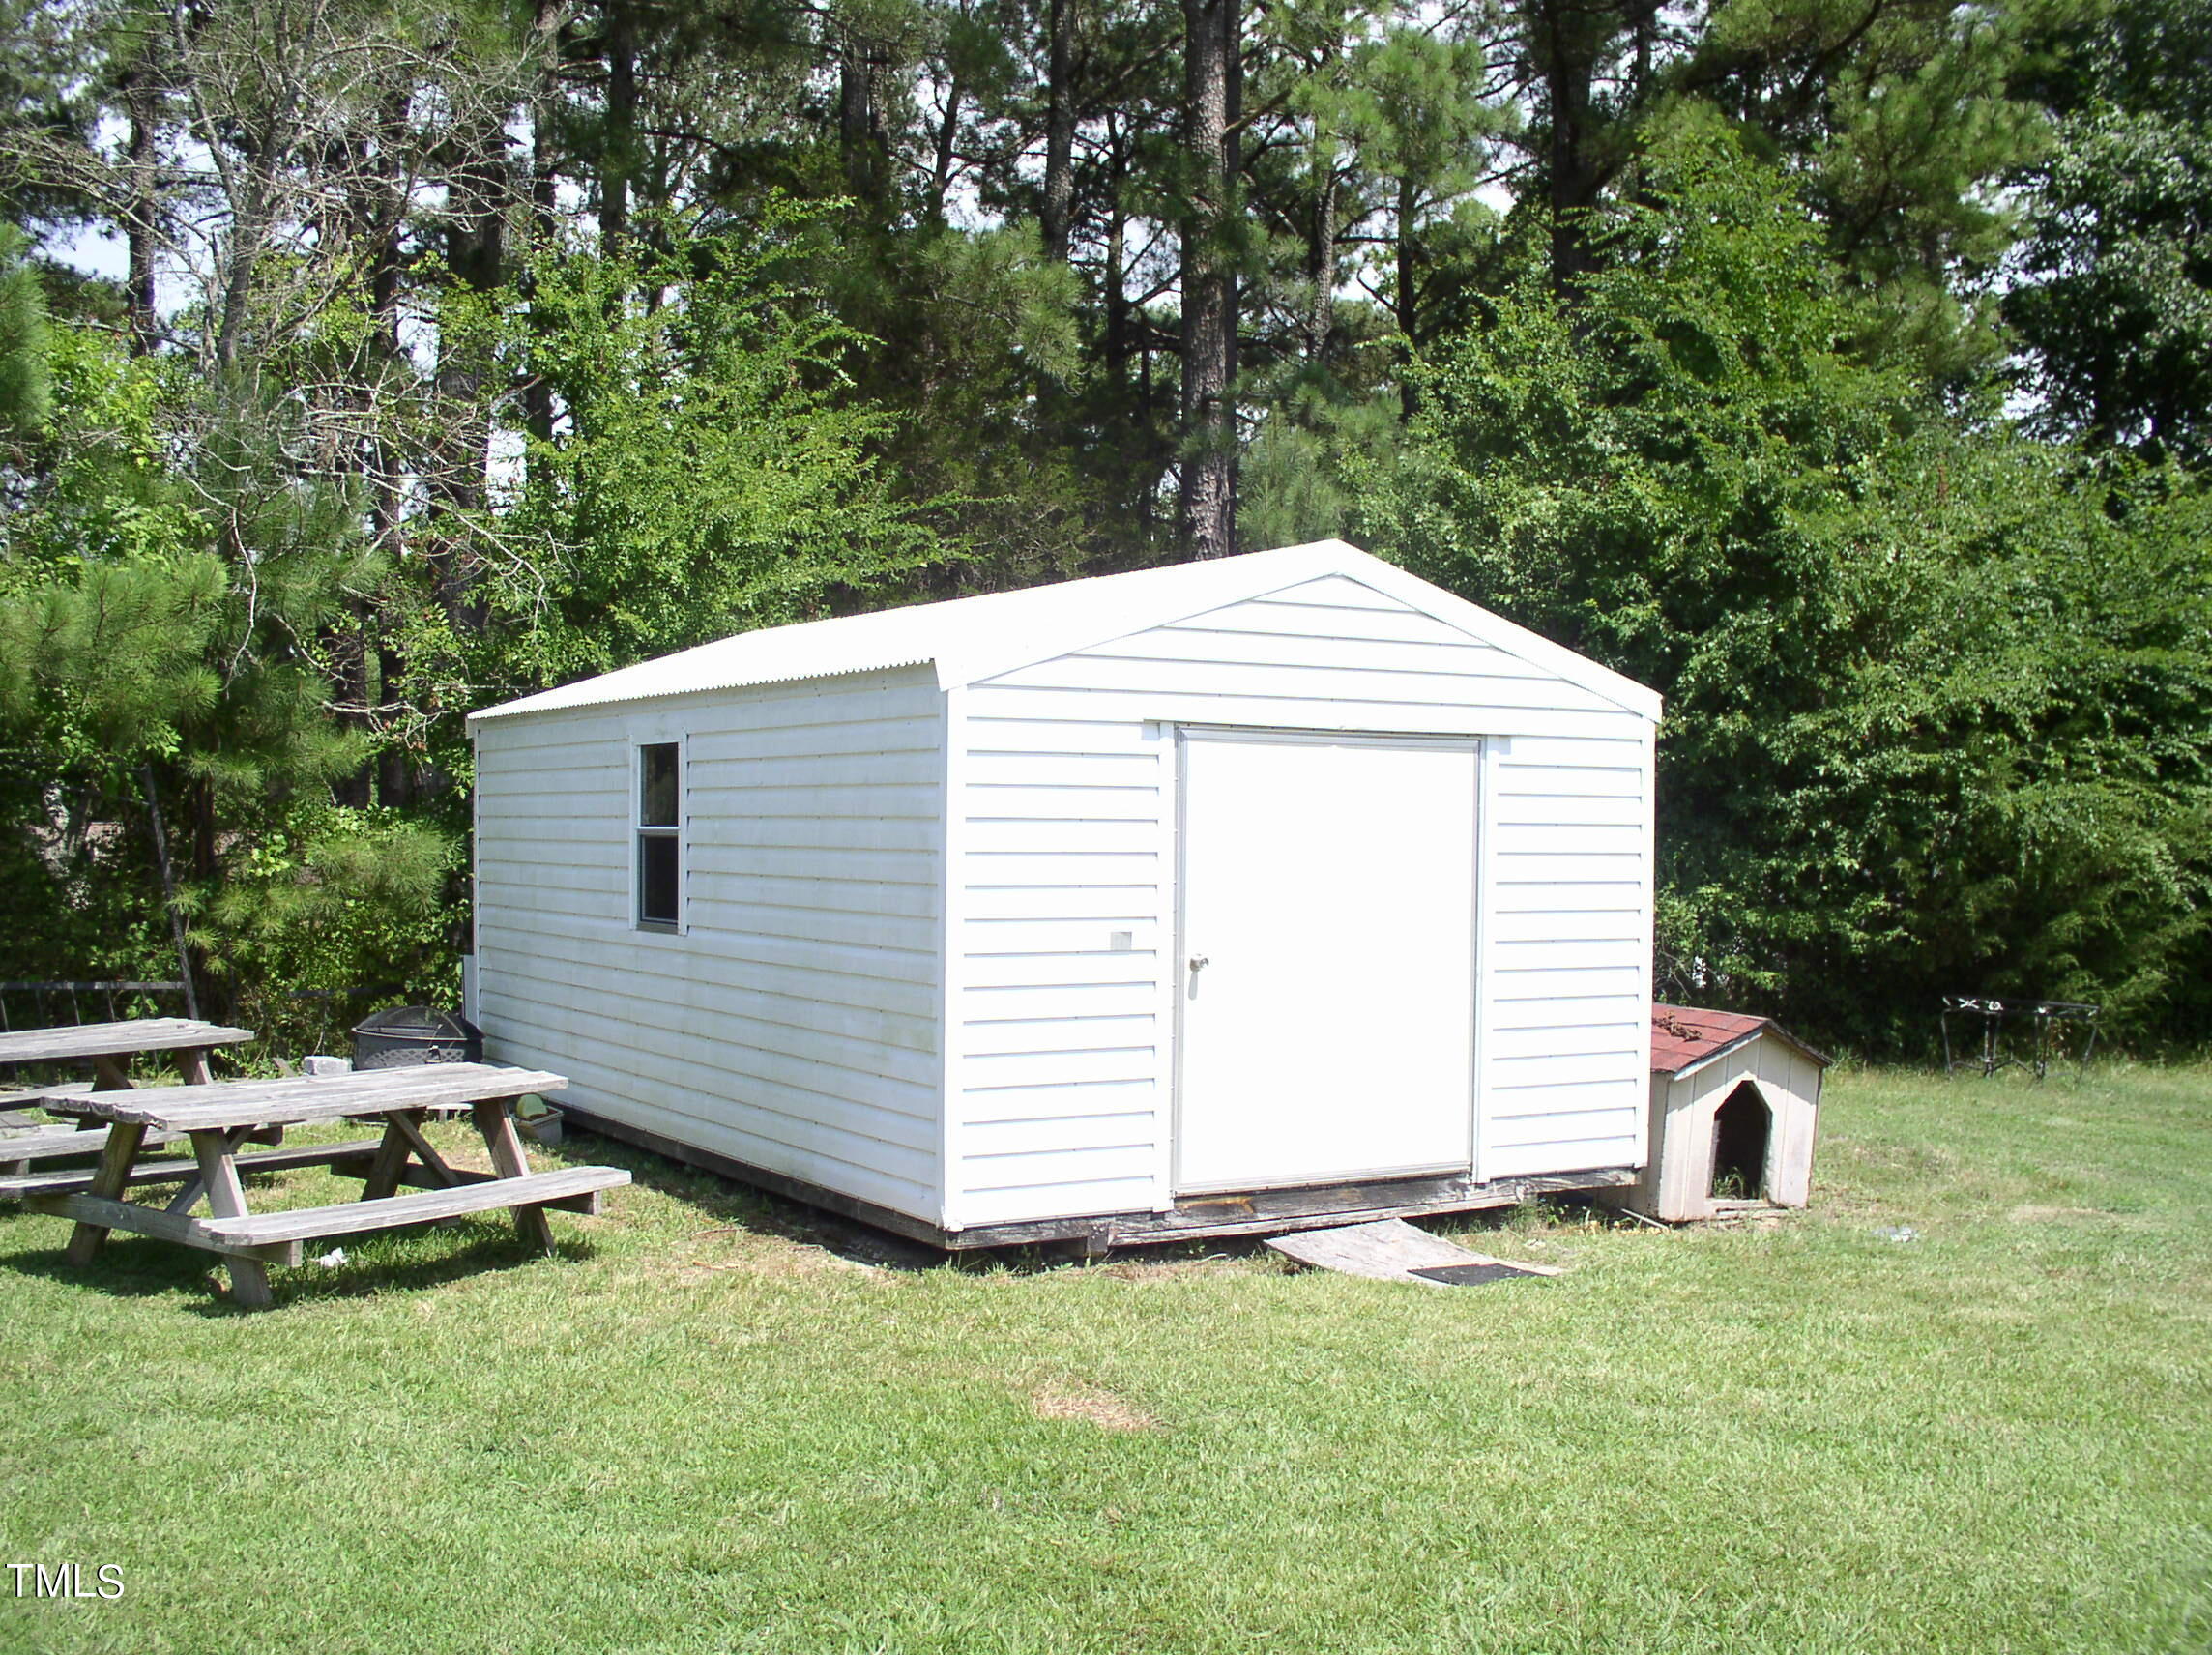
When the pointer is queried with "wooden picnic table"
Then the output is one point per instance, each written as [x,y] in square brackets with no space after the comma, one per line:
[217,1119]
[108,1046]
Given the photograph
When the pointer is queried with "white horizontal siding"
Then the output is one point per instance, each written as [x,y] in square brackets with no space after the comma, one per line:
[1310,711]
[1057,1100]
[1568,954]
[1063,822]
[795,1025]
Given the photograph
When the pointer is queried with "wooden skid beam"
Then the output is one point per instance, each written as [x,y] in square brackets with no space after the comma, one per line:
[1259,1212]
[117,1156]
[496,1121]
[226,1199]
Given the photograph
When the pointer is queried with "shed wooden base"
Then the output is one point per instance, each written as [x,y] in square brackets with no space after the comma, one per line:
[1198,1218]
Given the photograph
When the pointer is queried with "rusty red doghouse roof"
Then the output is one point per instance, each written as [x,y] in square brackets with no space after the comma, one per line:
[1683,1036]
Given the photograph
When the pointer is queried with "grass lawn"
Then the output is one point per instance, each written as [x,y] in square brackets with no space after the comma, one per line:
[702,1431]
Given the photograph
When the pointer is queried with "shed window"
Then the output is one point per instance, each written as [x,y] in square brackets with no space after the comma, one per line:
[660,837]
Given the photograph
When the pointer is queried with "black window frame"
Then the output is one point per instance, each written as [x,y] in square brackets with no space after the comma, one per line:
[655,824]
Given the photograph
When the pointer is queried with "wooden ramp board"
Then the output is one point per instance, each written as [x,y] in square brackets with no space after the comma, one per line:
[1395,1251]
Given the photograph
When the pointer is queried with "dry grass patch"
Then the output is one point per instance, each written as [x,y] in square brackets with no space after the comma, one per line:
[1093,1403]
[773,1257]
[1154,1269]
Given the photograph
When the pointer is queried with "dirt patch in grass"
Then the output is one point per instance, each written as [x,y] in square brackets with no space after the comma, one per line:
[775,1258]
[1093,1403]
[1141,1268]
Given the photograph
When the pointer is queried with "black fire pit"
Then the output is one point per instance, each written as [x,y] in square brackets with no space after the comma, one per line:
[410,1035]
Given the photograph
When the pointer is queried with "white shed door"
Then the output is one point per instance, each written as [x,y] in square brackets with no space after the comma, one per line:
[1327,959]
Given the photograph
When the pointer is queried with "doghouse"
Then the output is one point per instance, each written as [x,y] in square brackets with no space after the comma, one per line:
[1734,1102]
[1228,897]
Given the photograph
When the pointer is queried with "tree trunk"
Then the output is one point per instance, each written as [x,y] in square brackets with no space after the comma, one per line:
[1232,179]
[249,226]
[1208,281]
[169,890]
[1405,307]
[948,133]
[1058,133]
[1321,260]
[142,100]
[547,22]
[376,217]
[1117,280]
[475,223]
[1574,173]
[861,142]
[618,143]
[395,769]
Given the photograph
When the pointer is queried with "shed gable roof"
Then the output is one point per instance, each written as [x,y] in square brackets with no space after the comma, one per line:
[970,639]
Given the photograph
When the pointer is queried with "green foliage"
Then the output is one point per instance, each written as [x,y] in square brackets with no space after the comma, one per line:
[98,482]
[709,477]
[2115,307]
[336,899]
[26,390]
[109,662]
[1292,480]
[485,347]
[1937,699]
[133,647]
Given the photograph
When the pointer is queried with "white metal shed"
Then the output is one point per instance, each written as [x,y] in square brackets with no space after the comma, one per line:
[1232,895]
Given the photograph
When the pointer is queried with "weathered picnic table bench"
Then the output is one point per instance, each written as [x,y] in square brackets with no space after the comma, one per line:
[108,1046]
[217,1118]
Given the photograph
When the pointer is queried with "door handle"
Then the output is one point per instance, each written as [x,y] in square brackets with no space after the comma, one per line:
[1199,963]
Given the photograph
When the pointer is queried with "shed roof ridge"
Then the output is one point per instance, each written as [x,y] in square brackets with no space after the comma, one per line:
[969,640]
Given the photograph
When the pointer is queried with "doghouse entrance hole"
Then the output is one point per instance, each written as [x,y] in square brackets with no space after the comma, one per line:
[1742,1126]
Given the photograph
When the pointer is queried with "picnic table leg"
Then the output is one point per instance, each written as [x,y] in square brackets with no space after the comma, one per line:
[495,1119]
[110,1179]
[106,1076]
[191,1063]
[391,1161]
[226,1199]
[402,1134]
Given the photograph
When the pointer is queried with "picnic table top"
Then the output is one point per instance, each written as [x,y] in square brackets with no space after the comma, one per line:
[116,1039]
[297,1102]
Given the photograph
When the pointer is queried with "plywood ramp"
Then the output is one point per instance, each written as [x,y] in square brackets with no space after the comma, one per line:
[1392,1251]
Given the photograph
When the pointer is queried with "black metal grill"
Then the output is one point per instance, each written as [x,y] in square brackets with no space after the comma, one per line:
[411,1034]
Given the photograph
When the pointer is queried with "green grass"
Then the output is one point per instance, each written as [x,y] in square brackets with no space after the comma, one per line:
[701,1431]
